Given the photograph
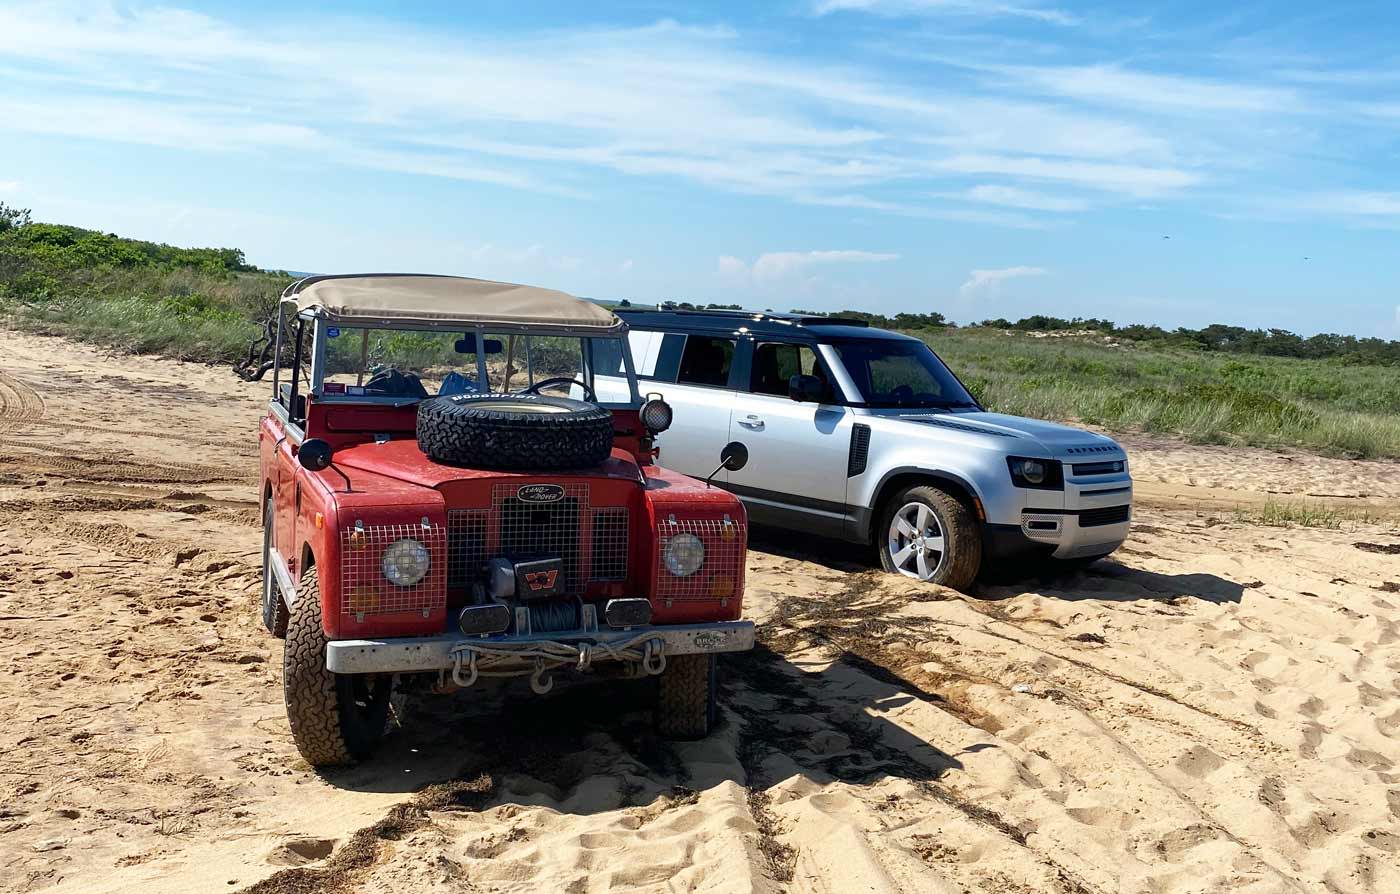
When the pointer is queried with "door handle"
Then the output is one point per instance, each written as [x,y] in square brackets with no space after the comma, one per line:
[752,421]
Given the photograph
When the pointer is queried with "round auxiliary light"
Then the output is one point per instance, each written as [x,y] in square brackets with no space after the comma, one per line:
[405,562]
[684,554]
[1033,471]
[656,415]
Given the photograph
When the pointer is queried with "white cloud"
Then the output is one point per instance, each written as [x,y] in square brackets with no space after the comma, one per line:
[1012,197]
[778,265]
[900,8]
[625,266]
[1116,85]
[514,111]
[1135,180]
[731,267]
[9,186]
[987,283]
[1355,203]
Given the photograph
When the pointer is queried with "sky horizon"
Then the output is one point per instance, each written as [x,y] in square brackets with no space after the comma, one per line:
[1166,163]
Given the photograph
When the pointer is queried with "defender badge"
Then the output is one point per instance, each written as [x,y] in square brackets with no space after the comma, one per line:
[540,493]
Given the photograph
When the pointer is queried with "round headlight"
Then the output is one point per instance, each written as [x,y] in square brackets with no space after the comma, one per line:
[684,555]
[656,415]
[405,562]
[1033,471]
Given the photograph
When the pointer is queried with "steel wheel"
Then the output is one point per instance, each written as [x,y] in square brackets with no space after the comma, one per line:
[915,542]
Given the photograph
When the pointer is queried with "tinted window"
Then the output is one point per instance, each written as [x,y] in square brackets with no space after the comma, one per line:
[705,361]
[668,357]
[607,356]
[774,365]
[901,374]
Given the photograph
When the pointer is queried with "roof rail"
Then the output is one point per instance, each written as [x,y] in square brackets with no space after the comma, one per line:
[755,315]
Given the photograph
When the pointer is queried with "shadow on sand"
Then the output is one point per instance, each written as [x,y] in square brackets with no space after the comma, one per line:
[1106,580]
[590,747]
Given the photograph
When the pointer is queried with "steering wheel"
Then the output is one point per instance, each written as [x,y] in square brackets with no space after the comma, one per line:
[902,394]
[562,380]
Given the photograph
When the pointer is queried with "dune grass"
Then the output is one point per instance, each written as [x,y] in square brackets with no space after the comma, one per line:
[206,304]
[1327,406]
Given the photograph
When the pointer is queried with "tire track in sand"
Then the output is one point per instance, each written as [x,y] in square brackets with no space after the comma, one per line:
[19,403]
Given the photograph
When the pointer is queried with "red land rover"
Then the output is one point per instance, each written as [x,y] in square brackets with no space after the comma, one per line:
[445,499]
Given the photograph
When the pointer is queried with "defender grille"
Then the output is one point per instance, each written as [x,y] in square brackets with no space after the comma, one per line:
[363,588]
[591,541]
[1106,468]
[1112,515]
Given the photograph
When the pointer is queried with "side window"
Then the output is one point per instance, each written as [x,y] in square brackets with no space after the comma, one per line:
[607,356]
[706,361]
[775,363]
[666,357]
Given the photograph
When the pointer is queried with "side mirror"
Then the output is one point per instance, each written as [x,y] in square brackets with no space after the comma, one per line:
[806,389]
[314,455]
[467,344]
[734,456]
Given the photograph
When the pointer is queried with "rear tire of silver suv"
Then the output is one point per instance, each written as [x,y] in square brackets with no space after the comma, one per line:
[930,535]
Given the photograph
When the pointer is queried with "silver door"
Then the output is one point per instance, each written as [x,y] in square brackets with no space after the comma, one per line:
[798,452]
[699,391]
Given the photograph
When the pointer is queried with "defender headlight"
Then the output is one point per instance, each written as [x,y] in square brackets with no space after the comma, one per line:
[684,554]
[1042,474]
[405,562]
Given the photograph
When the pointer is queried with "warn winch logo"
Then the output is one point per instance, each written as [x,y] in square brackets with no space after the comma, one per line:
[541,580]
[540,493]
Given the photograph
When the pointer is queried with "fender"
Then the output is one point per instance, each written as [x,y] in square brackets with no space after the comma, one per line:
[863,517]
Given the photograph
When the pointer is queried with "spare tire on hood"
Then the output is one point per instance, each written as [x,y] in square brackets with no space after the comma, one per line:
[514,432]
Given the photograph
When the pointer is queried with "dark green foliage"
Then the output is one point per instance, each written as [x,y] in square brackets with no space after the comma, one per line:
[1220,338]
[191,303]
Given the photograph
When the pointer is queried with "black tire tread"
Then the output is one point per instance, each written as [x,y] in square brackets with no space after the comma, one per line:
[276,615]
[961,534]
[466,430]
[307,687]
[686,704]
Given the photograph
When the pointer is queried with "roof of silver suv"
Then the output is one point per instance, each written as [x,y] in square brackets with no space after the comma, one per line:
[792,326]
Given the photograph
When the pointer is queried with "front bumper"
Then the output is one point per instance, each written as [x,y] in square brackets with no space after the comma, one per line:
[438,653]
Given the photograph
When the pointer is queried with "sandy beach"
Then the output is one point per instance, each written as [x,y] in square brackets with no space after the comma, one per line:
[1216,708]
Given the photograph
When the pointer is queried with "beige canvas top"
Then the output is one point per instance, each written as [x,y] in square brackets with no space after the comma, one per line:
[449,299]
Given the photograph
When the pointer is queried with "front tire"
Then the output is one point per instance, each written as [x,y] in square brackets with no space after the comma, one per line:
[274,610]
[335,718]
[686,706]
[930,535]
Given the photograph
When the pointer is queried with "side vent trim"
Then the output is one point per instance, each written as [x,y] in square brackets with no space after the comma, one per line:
[860,450]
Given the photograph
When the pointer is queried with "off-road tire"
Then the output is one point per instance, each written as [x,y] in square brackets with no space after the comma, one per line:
[514,432]
[274,609]
[326,727]
[961,535]
[685,707]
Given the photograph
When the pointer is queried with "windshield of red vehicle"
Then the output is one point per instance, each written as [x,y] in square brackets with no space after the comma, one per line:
[901,374]
[408,363]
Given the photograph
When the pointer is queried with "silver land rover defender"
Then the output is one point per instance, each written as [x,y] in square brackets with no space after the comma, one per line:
[865,435]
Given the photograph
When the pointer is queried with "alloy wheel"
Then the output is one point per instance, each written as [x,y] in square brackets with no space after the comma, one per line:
[915,541]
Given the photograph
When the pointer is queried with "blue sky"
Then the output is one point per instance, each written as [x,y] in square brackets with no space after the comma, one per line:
[978,158]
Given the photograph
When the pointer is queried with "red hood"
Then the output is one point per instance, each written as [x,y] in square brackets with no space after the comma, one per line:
[402,460]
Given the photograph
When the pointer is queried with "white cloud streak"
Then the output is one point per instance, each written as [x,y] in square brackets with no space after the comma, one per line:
[556,112]
[923,8]
[987,283]
[779,265]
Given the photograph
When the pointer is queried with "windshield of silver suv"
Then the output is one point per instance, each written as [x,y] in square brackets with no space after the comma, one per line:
[890,373]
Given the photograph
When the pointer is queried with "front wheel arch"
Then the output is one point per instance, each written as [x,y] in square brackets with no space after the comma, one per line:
[897,481]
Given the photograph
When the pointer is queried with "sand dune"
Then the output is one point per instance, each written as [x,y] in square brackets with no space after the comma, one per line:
[1217,709]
